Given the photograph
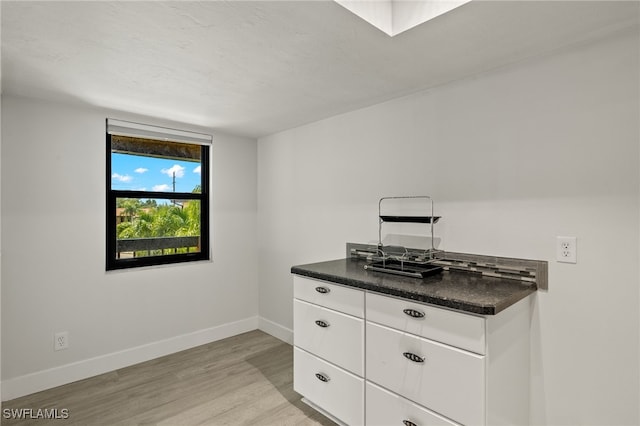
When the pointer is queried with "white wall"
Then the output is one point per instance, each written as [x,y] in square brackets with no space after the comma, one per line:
[513,158]
[53,254]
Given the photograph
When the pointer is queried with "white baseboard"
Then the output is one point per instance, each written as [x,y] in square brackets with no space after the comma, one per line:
[276,330]
[57,376]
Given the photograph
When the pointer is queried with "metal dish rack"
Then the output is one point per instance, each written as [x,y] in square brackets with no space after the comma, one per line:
[401,260]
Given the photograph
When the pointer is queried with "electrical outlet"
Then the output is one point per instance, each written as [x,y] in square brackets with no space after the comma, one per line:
[566,249]
[61,340]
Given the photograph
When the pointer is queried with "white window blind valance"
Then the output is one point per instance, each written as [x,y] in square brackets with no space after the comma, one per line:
[138,130]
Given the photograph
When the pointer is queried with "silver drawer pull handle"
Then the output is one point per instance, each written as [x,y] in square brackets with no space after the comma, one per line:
[413,313]
[322,290]
[322,324]
[409,423]
[413,357]
[322,377]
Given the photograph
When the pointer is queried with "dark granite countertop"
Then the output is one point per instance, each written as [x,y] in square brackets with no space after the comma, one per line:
[459,290]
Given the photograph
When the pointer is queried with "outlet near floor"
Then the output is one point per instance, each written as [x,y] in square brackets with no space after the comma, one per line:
[61,340]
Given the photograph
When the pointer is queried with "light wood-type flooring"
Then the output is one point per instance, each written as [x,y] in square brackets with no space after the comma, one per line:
[243,380]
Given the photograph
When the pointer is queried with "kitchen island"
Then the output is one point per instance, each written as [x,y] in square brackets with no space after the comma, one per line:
[375,348]
[464,291]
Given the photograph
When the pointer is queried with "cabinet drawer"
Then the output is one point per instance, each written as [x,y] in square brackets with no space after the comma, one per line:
[453,328]
[442,378]
[330,295]
[385,408]
[340,393]
[330,335]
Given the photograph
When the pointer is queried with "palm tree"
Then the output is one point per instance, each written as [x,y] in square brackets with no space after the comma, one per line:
[129,206]
[168,220]
[164,220]
[192,224]
[139,227]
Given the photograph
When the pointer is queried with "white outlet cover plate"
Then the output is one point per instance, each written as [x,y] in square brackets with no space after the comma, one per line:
[566,249]
[61,341]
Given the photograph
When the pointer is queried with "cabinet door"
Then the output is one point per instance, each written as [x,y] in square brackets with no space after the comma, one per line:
[463,331]
[331,335]
[386,409]
[333,389]
[329,295]
[442,378]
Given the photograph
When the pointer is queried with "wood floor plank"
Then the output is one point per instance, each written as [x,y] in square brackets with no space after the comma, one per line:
[243,380]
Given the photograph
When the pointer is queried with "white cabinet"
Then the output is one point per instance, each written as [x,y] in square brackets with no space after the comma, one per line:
[442,378]
[386,408]
[442,325]
[336,297]
[336,391]
[469,369]
[328,337]
[398,361]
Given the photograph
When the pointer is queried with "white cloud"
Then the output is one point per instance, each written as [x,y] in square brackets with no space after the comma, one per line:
[197,170]
[177,169]
[121,178]
[161,188]
[141,170]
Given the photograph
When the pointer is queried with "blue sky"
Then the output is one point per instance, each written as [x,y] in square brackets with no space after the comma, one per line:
[138,173]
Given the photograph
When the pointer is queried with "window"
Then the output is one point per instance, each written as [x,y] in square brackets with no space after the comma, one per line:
[157,195]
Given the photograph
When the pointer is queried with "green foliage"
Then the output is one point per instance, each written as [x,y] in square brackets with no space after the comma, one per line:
[147,220]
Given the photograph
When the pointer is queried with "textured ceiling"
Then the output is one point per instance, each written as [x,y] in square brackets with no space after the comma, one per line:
[255,68]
